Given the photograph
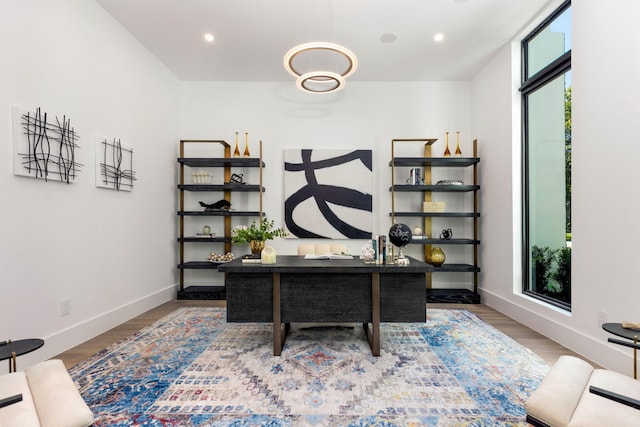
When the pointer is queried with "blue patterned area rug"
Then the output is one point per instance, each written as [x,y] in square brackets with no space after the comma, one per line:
[191,368]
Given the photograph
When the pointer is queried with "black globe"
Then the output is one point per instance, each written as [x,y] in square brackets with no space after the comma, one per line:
[400,235]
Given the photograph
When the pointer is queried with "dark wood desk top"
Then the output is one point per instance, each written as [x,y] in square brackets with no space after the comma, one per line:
[297,264]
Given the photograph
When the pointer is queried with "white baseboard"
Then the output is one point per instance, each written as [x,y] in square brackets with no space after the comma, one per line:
[87,329]
[595,349]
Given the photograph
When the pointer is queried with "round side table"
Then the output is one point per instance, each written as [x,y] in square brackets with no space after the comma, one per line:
[12,349]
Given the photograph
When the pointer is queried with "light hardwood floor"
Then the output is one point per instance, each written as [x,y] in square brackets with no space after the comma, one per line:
[544,347]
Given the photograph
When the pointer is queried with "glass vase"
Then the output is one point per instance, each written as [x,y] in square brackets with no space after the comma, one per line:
[256,246]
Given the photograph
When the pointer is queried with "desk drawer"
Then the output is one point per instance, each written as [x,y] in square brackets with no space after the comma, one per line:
[325,298]
[249,297]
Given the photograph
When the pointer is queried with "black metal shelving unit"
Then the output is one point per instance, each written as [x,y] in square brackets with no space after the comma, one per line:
[226,162]
[427,162]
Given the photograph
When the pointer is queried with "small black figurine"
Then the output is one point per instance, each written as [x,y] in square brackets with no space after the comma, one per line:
[236,178]
[217,206]
[446,234]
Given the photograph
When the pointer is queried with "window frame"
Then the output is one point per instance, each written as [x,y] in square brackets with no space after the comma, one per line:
[547,74]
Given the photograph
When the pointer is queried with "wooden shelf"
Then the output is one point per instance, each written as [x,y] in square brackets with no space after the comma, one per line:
[424,241]
[217,162]
[434,161]
[219,213]
[437,214]
[199,265]
[435,188]
[203,239]
[221,187]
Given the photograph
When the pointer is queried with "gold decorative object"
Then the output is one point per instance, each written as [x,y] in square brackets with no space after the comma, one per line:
[256,246]
[447,153]
[458,151]
[437,256]
[246,145]
[236,152]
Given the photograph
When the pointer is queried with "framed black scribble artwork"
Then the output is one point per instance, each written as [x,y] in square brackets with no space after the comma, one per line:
[114,165]
[44,146]
[328,193]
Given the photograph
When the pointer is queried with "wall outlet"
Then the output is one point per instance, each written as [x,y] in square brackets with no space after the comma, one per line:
[603,317]
[65,307]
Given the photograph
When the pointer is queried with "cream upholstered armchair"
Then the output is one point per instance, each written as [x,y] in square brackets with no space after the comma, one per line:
[42,396]
[573,393]
[321,248]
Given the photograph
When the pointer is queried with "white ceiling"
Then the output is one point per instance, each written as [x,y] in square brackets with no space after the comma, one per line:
[252,36]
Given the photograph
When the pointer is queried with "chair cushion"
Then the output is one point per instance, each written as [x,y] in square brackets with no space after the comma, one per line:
[556,398]
[56,397]
[598,411]
[23,413]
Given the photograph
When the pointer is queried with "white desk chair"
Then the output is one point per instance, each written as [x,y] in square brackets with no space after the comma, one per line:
[338,248]
[306,249]
[323,248]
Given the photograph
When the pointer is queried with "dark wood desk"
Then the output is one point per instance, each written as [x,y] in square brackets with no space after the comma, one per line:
[325,291]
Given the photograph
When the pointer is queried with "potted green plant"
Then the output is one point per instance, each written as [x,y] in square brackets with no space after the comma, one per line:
[256,234]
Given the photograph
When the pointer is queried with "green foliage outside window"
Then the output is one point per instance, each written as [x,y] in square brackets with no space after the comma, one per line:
[552,272]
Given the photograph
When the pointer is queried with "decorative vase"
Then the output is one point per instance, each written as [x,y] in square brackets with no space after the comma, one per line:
[447,153]
[458,150]
[236,152]
[256,246]
[246,145]
[437,256]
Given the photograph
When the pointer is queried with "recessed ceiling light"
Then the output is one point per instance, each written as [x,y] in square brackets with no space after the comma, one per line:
[438,37]
[208,37]
[388,37]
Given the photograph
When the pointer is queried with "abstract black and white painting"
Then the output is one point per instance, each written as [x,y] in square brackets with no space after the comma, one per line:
[114,165]
[44,146]
[328,193]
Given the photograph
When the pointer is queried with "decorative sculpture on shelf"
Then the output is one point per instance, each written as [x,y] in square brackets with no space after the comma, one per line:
[446,234]
[236,178]
[437,256]
[220,205]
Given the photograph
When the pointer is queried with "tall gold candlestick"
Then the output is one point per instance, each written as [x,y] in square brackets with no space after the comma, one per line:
[458,151]
[447,153]
[236,152]
[246,145]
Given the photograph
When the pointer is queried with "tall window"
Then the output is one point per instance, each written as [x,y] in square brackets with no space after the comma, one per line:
[546,97]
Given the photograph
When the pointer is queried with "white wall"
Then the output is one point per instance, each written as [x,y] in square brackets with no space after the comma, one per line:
[363,115]
[111,253]
[605,173]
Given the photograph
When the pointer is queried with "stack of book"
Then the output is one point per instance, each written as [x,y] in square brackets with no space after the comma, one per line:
[251,259]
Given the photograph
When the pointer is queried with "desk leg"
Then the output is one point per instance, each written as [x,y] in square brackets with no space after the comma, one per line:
[373,333]
[279,334]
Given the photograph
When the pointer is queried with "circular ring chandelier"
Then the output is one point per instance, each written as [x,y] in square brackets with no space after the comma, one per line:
[320,76]
[320,82]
